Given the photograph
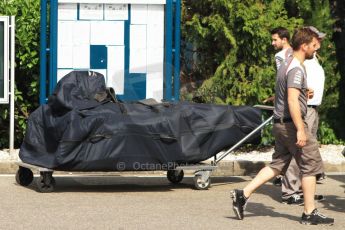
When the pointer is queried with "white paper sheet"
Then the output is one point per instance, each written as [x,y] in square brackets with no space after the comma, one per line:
[81,33]
[67,11]
[81,57]
[116,68]
[91,11]
[137,60]
[118,1]
[155,14]
[155,60]
[155,36]
[115,12]
[137,36]
[138,14]
[154,86]
[65,33]
[62,72]
[65,57]
[107,33]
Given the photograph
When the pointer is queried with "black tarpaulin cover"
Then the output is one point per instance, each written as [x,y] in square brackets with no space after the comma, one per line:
[82,129]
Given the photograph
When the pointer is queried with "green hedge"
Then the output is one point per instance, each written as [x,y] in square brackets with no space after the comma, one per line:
[233,56]
[27,65]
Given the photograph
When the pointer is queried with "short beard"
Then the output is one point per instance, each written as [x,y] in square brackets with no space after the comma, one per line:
[308,57]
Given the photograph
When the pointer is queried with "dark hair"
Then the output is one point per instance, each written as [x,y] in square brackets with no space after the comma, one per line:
[282,33]
[302,36]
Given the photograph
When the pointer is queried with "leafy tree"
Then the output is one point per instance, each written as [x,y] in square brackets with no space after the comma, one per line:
[233,56]
[318,14]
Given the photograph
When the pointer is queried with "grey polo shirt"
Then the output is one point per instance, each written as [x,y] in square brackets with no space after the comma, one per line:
[290,75]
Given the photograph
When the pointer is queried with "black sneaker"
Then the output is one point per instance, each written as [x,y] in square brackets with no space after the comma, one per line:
[294,200]
[239,203]
[315,218]
[277,181]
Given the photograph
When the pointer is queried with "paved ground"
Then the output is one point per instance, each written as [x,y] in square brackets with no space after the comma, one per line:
[118,202]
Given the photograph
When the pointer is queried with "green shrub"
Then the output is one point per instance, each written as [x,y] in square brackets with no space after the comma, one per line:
[27,65]
[234,58]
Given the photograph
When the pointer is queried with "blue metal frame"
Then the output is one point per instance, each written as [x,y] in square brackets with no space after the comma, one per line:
[172,49]
[177,50]
[43,52]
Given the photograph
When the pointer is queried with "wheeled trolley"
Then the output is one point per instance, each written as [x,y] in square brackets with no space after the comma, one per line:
[202,172]
[45,183]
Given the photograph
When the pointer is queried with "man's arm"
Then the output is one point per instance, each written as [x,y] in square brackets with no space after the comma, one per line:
[295,112]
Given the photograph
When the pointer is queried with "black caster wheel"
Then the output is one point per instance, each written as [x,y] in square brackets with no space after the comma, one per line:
[46,182]
[175,176]
[200,183]
[24,176]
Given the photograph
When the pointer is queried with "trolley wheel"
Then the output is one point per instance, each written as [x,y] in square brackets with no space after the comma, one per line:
[24,176]
[46,182]
[200,183]
[175,176]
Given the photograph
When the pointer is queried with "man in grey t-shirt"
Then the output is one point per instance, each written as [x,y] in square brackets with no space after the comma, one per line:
[292,137]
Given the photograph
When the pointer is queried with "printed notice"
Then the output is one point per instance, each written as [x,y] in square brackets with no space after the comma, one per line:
[115,12]
[65,33]
[155,36]
[81,57]
[139,14]
[67,11]
[154,86]
[137,60]
[137,36]
[116,68]
[155,14]
[155,60]
[107,33]
[81,33]
[65,57]
[91,11]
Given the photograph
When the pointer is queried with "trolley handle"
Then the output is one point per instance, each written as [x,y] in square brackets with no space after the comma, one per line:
[264,107]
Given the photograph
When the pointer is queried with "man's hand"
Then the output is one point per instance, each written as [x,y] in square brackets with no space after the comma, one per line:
[301,138]
[268,99]
[310,93]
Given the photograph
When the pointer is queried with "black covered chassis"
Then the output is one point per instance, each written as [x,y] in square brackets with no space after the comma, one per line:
[202,172]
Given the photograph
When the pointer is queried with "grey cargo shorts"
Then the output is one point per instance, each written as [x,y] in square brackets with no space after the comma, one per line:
[308,157]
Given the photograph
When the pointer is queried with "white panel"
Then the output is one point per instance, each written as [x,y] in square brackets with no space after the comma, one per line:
[81,33]
[155,59]
[62,72]
[115,12]
[154,86]
[155,14]
[137,36]
[65,33]
[67,11]
[65,57]
[117,1]
[116,68]
[155,36]
[138,14]
[81,57]
[91,11]
[137,60]
[107,33]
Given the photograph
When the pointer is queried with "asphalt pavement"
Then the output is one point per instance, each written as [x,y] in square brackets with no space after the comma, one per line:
[121,202]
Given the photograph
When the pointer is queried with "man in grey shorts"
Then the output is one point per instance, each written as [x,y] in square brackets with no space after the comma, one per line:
[291,183]
[292,137]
